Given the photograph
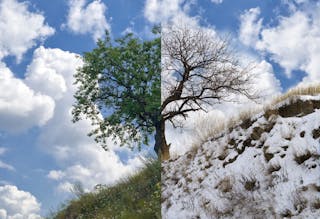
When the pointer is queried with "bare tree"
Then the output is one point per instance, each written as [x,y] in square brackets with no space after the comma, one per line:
[198,69]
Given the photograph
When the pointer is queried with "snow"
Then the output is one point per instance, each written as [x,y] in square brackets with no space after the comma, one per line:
[276,176]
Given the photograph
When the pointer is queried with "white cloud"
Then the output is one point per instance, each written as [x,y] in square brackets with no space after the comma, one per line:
[87,19]
[217,1]
[56,175]
[21,107]
[170,11]
[20,29]
[288,42]
[18,204]
[294,43]
[100,167]
[54,67]
[79,157]
[6,166]
[265,83]
[160,10]
[250,26]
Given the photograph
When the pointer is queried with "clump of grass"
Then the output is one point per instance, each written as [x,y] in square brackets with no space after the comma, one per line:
[250,183]
[311,90]
[303,157]
[138,196]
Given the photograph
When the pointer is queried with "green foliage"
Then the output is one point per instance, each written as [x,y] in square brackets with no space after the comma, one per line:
[137,197]
[120,80]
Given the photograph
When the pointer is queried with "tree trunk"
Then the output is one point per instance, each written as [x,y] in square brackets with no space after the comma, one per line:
[161,147]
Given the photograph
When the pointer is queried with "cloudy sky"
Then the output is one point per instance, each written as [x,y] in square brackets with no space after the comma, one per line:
[42,153]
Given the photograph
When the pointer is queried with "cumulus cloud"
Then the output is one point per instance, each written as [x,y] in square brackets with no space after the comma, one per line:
[99,167]
[288,42]
[87,18]
[20,106]
[293,43]
[32,28]
[54,67]
[250,26]
[79,157]
[265,83]
[170,11]
[160,10]
[18,204]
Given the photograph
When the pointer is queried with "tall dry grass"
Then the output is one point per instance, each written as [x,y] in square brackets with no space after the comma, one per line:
[211,126]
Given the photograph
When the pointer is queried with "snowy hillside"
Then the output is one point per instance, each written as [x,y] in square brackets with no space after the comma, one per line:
[265,167]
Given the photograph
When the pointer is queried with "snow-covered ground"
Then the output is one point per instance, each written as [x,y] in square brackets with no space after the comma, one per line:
[266,167]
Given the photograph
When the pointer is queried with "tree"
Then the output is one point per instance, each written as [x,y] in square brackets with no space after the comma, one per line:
[119,86]
[198,69]
[118,89]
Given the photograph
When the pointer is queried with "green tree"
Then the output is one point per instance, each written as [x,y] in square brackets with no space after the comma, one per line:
[119,90]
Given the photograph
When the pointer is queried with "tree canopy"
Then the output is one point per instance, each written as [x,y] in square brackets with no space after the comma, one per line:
[119,89]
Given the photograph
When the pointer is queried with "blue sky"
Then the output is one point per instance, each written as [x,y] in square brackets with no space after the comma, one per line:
[42,153]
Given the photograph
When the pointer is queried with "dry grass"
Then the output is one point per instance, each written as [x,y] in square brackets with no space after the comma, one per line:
[210,127]
[311,90]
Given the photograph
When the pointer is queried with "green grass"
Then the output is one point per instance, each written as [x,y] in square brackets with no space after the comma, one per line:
[136,197]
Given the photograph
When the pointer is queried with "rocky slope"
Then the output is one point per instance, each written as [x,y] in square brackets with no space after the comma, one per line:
[267,166]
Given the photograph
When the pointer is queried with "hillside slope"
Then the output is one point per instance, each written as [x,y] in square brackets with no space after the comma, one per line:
[267,166]
[136,197]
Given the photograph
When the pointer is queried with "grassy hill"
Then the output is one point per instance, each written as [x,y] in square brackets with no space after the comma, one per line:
[136,197]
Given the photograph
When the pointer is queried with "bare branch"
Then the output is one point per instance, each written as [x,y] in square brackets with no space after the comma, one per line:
[200,70]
